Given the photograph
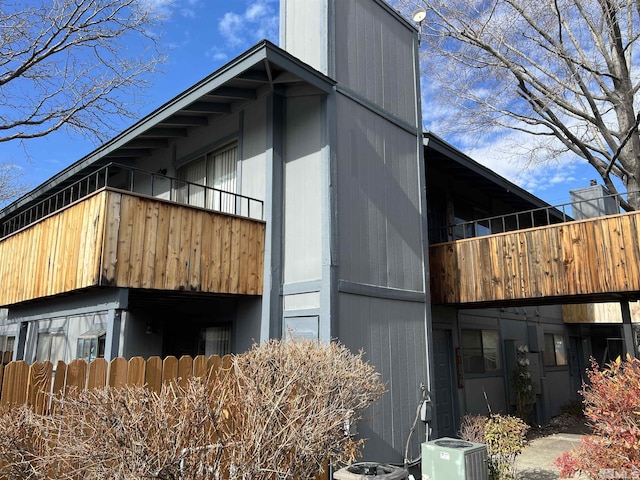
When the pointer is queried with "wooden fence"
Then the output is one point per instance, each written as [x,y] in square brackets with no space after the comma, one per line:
[21,383]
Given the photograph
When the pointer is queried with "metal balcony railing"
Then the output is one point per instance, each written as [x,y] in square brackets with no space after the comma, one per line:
[138,181]
[538,217]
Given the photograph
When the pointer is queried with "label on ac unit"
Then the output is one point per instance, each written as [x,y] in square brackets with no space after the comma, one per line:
[445,456]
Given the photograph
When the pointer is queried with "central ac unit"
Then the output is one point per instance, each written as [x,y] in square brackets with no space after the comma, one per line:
[454,459]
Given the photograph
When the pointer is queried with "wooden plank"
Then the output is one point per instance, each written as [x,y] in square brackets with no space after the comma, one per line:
[214,366]
[200,369]
[153,374]
[235,259]
[98,373]
[208,241]
[75,220]
[40,376]
[149,257]
[173,249]
[139,216]
[169,370]
[162,245]
[15,384]
[111,234]
[136,372]
[225,254]
[76,377]
[217,246]
[194,281]
[185,370]
[118,370]
[60,378]
[184,250]
[123,261]
[243,267]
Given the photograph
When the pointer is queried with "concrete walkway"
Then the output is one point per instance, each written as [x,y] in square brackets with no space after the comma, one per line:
[536,461]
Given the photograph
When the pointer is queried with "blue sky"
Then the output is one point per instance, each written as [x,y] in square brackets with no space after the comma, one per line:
[199,36]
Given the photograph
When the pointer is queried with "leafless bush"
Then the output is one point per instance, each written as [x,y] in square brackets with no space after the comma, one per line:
[280,413]
[296,399]
[472,428]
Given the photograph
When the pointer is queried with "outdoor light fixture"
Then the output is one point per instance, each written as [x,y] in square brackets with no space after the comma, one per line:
[418,16]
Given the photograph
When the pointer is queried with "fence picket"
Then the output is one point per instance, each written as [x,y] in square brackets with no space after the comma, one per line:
[118,370]
[153,374]
[39,386]
[185,370]
[135,373]
[76,377]
[98,373]
[200,367]
[169,370]
[16,377]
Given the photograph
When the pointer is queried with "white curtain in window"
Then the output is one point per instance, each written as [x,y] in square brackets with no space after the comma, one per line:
[193,193]
[221,173]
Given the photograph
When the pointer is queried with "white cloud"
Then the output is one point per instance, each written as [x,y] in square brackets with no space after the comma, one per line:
[258,20]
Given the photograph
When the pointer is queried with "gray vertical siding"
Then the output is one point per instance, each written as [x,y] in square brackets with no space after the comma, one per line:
[391,333]
[305,19]
[380,238]
[374,56]
[302,189]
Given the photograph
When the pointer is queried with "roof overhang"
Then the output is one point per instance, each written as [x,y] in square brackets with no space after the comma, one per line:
[460,165]
[265,67]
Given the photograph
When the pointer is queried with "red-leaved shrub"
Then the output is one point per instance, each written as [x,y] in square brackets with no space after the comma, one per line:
[612,407]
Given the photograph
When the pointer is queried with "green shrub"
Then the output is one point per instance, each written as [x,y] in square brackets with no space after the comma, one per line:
[504,436]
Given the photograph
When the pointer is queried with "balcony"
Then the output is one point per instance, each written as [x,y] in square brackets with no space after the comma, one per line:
[587,260]
[184,237]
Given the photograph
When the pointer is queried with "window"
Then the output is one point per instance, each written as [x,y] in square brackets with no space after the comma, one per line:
[215,340]
[91,345]
[555,350]
[216,170]
[7,343]
[481,351]
[50,347]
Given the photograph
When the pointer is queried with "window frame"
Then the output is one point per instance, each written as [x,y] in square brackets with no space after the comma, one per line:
[482,334]
[560,358]
[225,197]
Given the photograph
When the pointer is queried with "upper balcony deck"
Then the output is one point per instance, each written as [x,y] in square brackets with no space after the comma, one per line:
[588,260]
[102,236]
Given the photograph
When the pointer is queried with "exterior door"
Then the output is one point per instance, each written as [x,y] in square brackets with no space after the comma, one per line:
[444,384]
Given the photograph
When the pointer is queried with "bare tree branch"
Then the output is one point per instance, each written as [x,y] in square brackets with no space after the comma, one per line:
[70,64]
[561,69]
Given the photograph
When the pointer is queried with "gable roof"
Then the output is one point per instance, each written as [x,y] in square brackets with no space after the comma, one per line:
[264,66]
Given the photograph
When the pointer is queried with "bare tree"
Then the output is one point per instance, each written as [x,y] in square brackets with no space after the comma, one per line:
[70,64]
[10,183]
[560,70]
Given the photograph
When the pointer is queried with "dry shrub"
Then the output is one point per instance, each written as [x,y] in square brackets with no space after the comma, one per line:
[280,414]
[296,398]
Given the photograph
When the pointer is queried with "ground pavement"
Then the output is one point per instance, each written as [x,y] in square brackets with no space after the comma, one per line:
[536,462]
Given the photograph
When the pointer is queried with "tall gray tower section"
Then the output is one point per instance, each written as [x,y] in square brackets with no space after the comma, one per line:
[354,262]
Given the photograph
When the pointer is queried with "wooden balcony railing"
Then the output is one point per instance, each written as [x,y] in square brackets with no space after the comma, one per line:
[115,238]
[595,259]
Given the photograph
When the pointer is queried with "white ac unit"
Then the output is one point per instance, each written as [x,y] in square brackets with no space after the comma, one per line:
[453,459]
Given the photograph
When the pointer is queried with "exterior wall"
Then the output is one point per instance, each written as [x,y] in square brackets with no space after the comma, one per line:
[379,213]
[302,190]
[516,326]
[377,65]
[392,335]
[308,20]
